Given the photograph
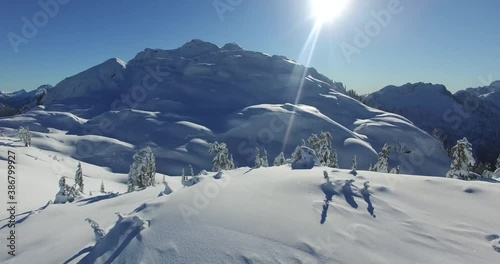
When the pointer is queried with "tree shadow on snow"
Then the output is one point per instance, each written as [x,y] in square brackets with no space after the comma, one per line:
[25,215]
[329,191]
[349,194]
[113,243]
[366,196]
[95,199]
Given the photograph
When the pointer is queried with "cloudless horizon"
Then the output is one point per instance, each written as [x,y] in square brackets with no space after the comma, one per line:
[454,43]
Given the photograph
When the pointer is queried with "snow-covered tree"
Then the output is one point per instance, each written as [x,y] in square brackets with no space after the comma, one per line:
[79,177]
[498,162]
[462,161]
[335,160]
[366,185]
[150,167]
[398,170]
[264,161]
[221,159]
[382,164]
[142,171]
[326,177]
[354,163]
[297,154]
[103,190]
[258,160]
[184,177]
[231,163]
[371,167]
[280,159]
[191,169]
[24,134]
[314,142]
[62,184]
[99,233]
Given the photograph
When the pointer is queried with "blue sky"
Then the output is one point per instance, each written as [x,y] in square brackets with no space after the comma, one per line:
[439,41]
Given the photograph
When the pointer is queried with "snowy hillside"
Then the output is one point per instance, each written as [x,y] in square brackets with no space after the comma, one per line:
[265,215]
[473,113]
[178,101]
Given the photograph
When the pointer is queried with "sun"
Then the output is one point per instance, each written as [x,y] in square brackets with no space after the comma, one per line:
[327,10]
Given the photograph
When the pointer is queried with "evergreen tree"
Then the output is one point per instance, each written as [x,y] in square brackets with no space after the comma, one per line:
[462,160]
[398,170]
[371,167]
[354,163]
[103,190]
[280,160]
[192,171]
[231,163]
[326,177]
[143,169]
[24,134]
[184,177]
[79,177]
[258,161]
[335,160]
[264,161]
[221,159]
[297,154]
[62,185]
[382,164]
[498,162]
[326,154]
[150,167]
[314,141]
[163,181]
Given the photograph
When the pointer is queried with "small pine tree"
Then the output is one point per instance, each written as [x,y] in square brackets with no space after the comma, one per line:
[335,160]
[264,161]
[24,134]
[231,163]
[184,177]
[382,164]
[258,161]
[280,160]
[462,160]
[498,162]
[398,170]
[326,177]
[103,190]
[163,181]
[371,167]
[79,177]
[62,185]
[297,154]
[221,159]
[192,171]
[354,163]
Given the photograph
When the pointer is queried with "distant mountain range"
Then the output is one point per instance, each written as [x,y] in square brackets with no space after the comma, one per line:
[473,113]
[178,101]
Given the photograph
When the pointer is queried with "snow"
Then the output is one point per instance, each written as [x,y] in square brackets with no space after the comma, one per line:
[264,215]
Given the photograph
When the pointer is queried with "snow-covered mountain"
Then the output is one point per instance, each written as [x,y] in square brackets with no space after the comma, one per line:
[473,113]
[178,101]
[12,102]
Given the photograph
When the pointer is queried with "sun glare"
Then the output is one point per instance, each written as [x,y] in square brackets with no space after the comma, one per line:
[327,10]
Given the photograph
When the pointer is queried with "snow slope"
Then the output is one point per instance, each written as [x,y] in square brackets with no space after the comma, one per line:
[178,101]
[266,215]
[473,113]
